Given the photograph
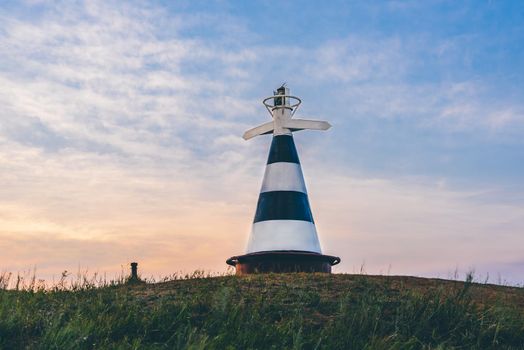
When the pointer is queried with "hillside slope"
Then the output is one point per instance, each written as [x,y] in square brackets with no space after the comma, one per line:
[293,311]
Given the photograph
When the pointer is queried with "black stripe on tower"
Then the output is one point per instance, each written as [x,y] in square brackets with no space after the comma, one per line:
[283,205]
[283,150]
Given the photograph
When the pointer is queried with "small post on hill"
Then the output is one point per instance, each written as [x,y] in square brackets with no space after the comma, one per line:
[134,274]
[134,270]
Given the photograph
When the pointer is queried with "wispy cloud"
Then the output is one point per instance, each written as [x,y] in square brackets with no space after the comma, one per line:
[390,77]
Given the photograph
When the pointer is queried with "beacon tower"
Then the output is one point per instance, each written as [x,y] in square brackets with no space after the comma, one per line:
[283,236]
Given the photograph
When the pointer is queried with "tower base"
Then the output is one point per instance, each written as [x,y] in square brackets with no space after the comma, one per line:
[281,261]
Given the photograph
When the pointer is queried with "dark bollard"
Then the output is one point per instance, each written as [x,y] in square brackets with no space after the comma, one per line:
[134,271]
[134,274]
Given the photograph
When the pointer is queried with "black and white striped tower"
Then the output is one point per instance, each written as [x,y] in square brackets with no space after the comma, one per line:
[284,237]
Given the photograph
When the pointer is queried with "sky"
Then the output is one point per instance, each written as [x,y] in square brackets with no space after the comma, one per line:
[121,124]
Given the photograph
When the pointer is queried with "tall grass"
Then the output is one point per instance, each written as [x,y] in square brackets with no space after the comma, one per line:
[294,311]
[82,280]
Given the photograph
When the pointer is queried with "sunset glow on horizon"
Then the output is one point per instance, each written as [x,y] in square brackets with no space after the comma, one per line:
[121,125]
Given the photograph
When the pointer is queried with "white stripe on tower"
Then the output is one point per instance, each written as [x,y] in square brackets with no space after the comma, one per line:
[283,176]
[283,235]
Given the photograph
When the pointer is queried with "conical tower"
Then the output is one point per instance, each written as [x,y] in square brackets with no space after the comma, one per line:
[283,218]
[283,237]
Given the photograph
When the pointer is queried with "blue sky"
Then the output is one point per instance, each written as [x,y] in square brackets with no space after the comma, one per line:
[121,124]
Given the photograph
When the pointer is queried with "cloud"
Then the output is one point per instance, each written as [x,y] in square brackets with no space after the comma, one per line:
[411,77]
[357,60]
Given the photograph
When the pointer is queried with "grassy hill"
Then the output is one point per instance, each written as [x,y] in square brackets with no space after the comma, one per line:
[288,311]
